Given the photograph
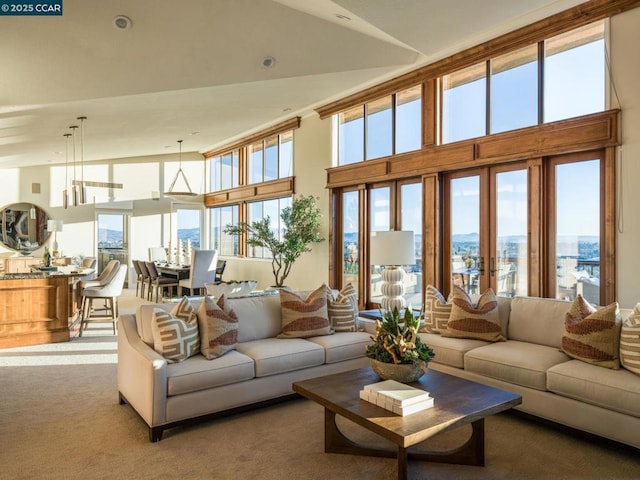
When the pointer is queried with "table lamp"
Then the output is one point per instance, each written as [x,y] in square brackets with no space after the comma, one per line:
[392,250]
[54,226]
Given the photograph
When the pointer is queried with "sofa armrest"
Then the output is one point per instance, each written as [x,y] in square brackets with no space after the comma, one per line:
[367,325]
[142,373]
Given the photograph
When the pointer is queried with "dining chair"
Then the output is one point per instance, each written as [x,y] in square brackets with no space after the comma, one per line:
[220,266]
[139,276]
[145,277]
[157,254]
[158,281]
[109,293]
[203,270]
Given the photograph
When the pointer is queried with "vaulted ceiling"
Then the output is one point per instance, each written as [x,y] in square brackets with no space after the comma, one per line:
[193,69]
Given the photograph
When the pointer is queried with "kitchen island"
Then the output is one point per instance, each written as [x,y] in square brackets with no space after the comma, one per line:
[39,307]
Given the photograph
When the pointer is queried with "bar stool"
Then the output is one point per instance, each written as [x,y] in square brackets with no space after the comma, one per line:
[109,293]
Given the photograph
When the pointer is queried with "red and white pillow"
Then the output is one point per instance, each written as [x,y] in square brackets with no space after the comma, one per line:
[305,317]
[478,320]
[218,325]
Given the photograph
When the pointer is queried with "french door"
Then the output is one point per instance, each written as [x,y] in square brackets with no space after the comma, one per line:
[486,225]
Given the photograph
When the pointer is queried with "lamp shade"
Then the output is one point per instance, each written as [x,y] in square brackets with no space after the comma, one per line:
[54,225]
[392,248]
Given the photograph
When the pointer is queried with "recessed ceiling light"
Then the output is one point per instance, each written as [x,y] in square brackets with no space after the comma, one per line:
[286,109]
[122,22]
[194,133]
[268,62]
[342,17]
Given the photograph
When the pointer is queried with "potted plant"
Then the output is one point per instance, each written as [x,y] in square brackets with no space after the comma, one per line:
[301,225]
[397,352]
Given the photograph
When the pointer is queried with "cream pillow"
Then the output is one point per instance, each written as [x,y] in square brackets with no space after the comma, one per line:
[630,342]
[307,317]
[479,321]
[218,327]
[343,311]
[437,311]
[591,334]
[174,338]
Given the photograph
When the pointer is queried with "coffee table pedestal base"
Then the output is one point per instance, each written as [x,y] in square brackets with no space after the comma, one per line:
[470,453]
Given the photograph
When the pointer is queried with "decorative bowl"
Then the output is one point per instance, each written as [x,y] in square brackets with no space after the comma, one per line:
[403,372]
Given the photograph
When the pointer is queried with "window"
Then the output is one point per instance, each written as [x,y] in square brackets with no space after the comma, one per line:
[380,128]
[112,231]
[350,238]
[227,245]
[188,222]
[260,210]
[514,90]
[271,158]
[573,84]
[464,104]
[225,171]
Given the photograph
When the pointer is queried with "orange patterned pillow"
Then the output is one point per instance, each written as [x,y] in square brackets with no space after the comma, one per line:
[468,320]
[591,335]
[437,311]
[308,317]
[218,327]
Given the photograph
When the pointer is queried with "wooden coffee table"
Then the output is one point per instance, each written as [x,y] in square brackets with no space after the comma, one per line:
[457,402]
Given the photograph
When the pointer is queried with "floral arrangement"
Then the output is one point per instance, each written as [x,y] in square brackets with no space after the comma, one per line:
[399,343]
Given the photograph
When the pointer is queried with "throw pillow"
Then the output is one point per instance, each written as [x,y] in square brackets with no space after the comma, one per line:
[630,342]
[468,320]
[305,317]
[174,338]
[437,311]
[184,310]
[590,334]
[343,311]
[218,327]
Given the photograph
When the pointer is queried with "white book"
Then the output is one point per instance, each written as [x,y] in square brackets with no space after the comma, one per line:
[414,408]
[397,393]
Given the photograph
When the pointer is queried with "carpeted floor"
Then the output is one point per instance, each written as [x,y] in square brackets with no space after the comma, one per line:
[60,419]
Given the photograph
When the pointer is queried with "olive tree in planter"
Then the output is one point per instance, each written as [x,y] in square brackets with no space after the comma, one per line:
[300,224]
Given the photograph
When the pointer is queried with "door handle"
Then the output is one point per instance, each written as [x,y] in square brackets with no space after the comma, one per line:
[481,265]
[492,266]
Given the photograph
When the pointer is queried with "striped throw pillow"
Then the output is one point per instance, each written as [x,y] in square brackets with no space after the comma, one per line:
[343,311]
[218,327]
[474,320]
[591,334]
[630,342]
[184,310]
[308,317]
[437,311]
[174,338]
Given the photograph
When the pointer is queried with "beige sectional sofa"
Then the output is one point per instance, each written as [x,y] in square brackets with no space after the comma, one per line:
[553,386]
[260,369]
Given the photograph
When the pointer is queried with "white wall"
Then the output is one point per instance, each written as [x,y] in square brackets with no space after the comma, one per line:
[625,38]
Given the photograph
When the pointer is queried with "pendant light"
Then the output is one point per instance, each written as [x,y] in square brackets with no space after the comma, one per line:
[75,194]
[83,189]
[65,192]
[175,194]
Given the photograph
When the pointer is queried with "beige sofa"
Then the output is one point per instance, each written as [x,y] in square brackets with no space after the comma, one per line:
[553,386]
[261,369]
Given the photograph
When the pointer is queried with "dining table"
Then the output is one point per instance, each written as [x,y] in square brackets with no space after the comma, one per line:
[173,270]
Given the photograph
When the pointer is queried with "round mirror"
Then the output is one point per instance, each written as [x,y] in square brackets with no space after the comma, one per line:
[24,227]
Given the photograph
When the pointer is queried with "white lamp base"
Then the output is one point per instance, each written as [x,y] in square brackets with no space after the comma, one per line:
[392,288]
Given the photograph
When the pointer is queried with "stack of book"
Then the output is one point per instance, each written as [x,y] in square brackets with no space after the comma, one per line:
[397,397]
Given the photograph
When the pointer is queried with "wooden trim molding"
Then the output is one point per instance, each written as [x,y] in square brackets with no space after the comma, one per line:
[590,132]
[282,127]
[564,21]
[257,191]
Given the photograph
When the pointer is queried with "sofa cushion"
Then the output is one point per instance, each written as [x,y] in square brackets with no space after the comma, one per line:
[343,311]
[450,351]
[174,338]
[617,390]
[480,320]
[305,317]
[437,311]
[592,335]
[630,342]
[198,373]
[343,345]
[218,325]
[279,355]
[258,317]
[144,319]
[515,362]
[537,320]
